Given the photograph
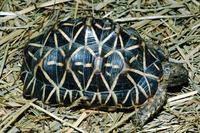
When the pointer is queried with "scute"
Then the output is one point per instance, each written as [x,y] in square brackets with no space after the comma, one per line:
[91,59]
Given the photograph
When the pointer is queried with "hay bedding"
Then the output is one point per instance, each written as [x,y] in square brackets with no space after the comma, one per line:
[172,24]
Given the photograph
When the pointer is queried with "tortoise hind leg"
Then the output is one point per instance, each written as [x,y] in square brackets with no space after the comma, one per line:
[151,106]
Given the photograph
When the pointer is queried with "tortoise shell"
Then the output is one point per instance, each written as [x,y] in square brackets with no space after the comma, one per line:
[95,60]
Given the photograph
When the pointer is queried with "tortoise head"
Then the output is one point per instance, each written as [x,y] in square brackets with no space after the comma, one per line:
[176,73]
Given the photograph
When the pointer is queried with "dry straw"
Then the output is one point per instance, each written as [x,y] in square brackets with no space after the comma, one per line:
[172,24]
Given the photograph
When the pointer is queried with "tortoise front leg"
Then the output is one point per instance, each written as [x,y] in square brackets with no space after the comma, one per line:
[151,106]
[141,115]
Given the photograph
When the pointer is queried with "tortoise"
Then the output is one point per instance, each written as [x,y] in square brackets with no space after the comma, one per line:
[100,64]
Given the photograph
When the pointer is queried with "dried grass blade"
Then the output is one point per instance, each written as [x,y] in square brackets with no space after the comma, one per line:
[123,120]
[14,116]
[55,117]
[78,122]
[31,8]
[4,59]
